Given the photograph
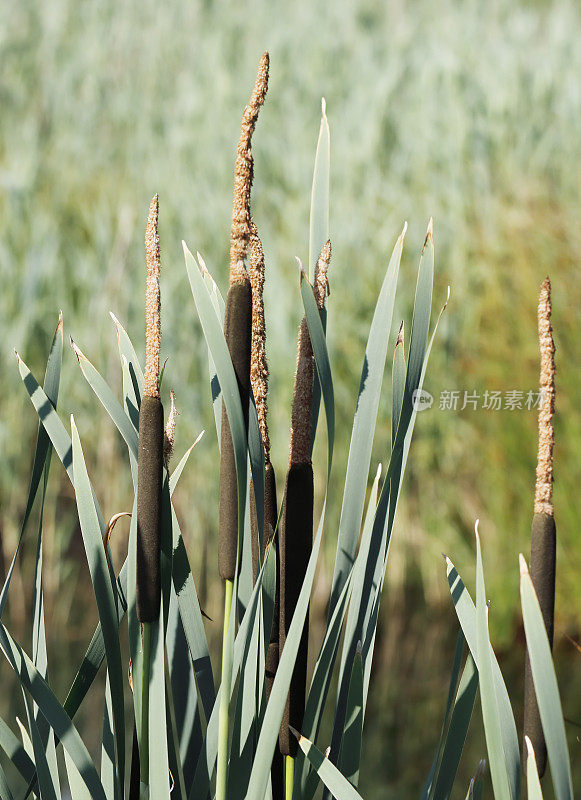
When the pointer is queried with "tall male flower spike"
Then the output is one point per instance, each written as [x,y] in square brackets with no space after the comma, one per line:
[150,449]
[244,172]
[237,323]
[259,382]
[296,538]
[543,531]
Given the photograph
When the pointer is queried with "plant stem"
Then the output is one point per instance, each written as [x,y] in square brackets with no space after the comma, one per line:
[290,777]
[222,768]
[144,733]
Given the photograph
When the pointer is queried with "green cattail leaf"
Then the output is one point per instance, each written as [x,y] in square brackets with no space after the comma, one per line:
[428,790]
[5,791]
[46,786]
[158,761]
[77,786]
[533,782]
[16,753]
[350,756]
[60,439]
[108,400]
[185,711]
[318,342]
[41,453]
[39,653]
[466,612]
[546,687]
[275,708]
[207,760]
[319,217]
[191,617]
[488,700]
[336,783]
[103,590]
[176,474]
[131,400]
[108,746]
[367,612]
[127,352]
[55,714]
[457,731]
[220,309]
[364,422]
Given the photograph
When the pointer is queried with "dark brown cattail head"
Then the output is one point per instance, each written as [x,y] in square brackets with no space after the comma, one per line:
[543,531]
[237,330]
[150,448]
[296,543]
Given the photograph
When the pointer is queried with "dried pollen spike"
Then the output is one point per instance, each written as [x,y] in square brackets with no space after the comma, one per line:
[170,429]
[543,530]
[152,302]
[258,363]
[544,482]
[244,172]
[151,439]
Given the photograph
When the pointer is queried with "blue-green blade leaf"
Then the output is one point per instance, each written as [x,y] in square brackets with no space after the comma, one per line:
[546,687]
[488,699]
[99,570]
[336,783]
[466,612]
[533,782]
[51,386]
[319,217]
[55,714]
[364,422]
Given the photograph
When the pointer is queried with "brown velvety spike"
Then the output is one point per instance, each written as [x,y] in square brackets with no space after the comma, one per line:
[237,326]
[270,518]
[542,572]
[149,475]
[296,541]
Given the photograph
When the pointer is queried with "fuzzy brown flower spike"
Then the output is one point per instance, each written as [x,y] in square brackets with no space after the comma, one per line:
[300,443]
[150,447]
[152,303]
[543,529]
[544,484]
[258,363]
[243,174]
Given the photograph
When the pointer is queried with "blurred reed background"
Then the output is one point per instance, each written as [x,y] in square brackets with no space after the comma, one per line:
[465,111]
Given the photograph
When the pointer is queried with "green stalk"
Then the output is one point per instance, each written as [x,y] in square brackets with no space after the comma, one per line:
[290,777]
[144,736]
[223,721]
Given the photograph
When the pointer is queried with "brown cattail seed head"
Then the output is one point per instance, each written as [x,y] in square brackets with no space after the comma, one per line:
[243,174]
[544,483]
[152,303]
[258,364]
[300,441]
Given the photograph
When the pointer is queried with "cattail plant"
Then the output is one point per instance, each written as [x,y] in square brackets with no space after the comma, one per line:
[238,323]
[149,473]
[543,531]
[296,535]
[264,671]
[238,334]
[259,382]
